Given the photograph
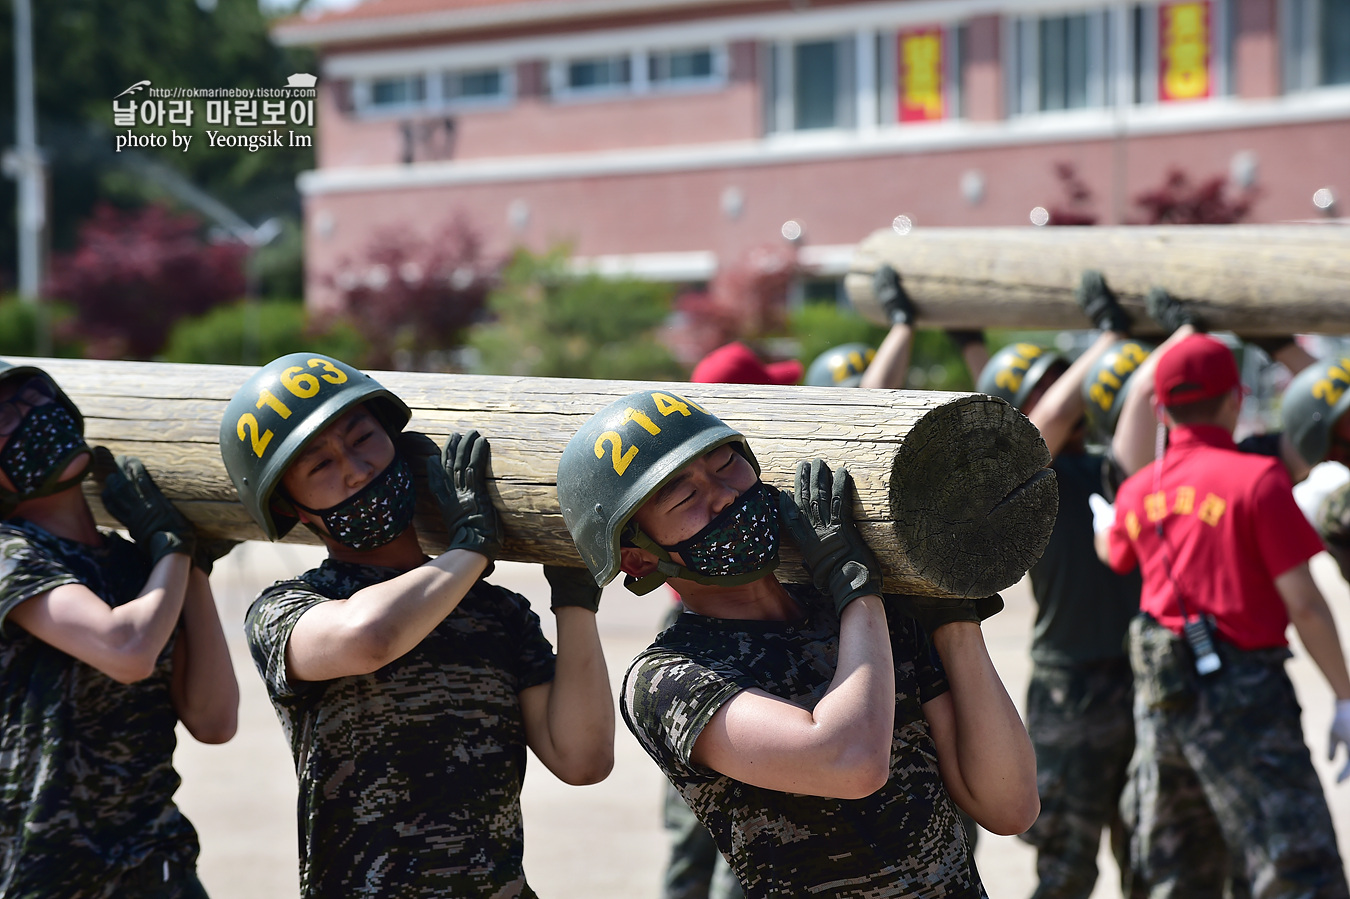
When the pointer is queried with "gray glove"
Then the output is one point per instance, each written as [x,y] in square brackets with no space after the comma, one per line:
[1100,305]
[572,587]
[892,297]
[458,480]
[932,612]
[1168,311]
[131,496]
[821,521]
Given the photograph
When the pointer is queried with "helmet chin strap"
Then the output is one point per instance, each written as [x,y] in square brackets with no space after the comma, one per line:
[667,568]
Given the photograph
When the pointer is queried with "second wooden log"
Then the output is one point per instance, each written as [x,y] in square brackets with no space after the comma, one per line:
[1254,280]
[953,492]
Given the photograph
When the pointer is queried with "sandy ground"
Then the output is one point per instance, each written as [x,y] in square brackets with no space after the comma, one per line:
[598,842]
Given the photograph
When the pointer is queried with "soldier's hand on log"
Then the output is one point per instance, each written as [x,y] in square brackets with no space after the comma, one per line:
[932,612]
[1100,305]
[458,480]
[1340,736]
[890,294]
[572,587]
[131,496]
[820,517]
[1168,311]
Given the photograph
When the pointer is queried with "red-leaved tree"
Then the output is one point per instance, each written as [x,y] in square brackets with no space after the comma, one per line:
[136,272]
[1181,202]
[1077,206]
[415,294]
[745,300]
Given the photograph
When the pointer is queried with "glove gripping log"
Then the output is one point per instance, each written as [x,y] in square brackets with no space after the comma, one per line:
[951,490]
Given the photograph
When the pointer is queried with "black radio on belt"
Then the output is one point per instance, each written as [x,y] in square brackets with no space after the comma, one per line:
[1202,644]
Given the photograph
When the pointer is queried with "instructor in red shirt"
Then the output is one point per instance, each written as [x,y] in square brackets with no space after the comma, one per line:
[1220,758]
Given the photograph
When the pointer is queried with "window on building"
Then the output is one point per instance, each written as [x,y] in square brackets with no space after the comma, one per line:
[812,85]
[1316,43]
[1060,63]
[1335,44]
[681,67]
[473,85]
[403,90]
[598,73]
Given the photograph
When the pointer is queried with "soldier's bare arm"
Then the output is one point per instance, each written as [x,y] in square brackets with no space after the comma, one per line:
[841,748]
[569,722]
[204,691]
[374,626]
[984,753]
[123,641]
[1316,627]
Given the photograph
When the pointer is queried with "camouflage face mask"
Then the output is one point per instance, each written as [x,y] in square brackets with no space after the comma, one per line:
[375,514]
[40,448]
[741,540]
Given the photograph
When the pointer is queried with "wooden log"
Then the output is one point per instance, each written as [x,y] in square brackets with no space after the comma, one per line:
[952,489]
[1254,280]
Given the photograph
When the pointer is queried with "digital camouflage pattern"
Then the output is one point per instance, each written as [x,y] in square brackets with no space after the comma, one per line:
[697,869]
[906,839]
[1221,767]
[409,776]
[86,771]
[1082,728]
[1333,525]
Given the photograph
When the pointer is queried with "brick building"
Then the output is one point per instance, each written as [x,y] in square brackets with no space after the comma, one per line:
[659,136]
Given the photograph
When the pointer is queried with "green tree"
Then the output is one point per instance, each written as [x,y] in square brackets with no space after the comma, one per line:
[549,322]
[87,51]
[19,328]
[238,335]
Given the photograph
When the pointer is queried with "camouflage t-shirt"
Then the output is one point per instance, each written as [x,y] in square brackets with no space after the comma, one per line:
[409,776]
[86,763]
[1333,526]
[906,839]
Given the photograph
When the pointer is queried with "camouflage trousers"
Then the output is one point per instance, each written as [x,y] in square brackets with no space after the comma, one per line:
[1221,768]
[696,870]
[1081,726]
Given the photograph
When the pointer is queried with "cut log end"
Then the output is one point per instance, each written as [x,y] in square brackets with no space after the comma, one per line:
[966,477]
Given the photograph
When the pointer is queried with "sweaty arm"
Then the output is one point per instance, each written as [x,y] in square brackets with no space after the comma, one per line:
[984,753]
[124,641]
[204,691]
[569,721]
[1312,619]
[890,366]
[380,623]
[842,748]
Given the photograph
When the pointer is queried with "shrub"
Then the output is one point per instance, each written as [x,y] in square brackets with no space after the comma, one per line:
[280,327]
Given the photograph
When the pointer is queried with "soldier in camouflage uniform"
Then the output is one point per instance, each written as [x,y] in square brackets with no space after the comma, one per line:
[408,687]
[825,734]
[1079,694]
[1224,552]
[105,645]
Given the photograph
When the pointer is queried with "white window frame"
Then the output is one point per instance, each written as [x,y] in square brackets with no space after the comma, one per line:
[717,79]
[364,95]
[783,79]
[507,74]
[1300,23]
[1024,55]
[637,77]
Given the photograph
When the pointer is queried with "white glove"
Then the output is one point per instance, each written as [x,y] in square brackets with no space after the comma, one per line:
[1340,736]
[1104,515]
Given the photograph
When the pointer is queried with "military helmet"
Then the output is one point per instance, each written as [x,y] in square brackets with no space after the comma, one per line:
[842,366]
[9,371]
[1014,371]
[621,456]
[274,415]
[1313,402]
[1104,385]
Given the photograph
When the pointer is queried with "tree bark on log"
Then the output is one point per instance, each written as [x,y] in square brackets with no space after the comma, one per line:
[952,490]
[1254,280]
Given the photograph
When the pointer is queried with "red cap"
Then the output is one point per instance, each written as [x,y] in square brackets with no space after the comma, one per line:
[736,363]
[1197,368]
